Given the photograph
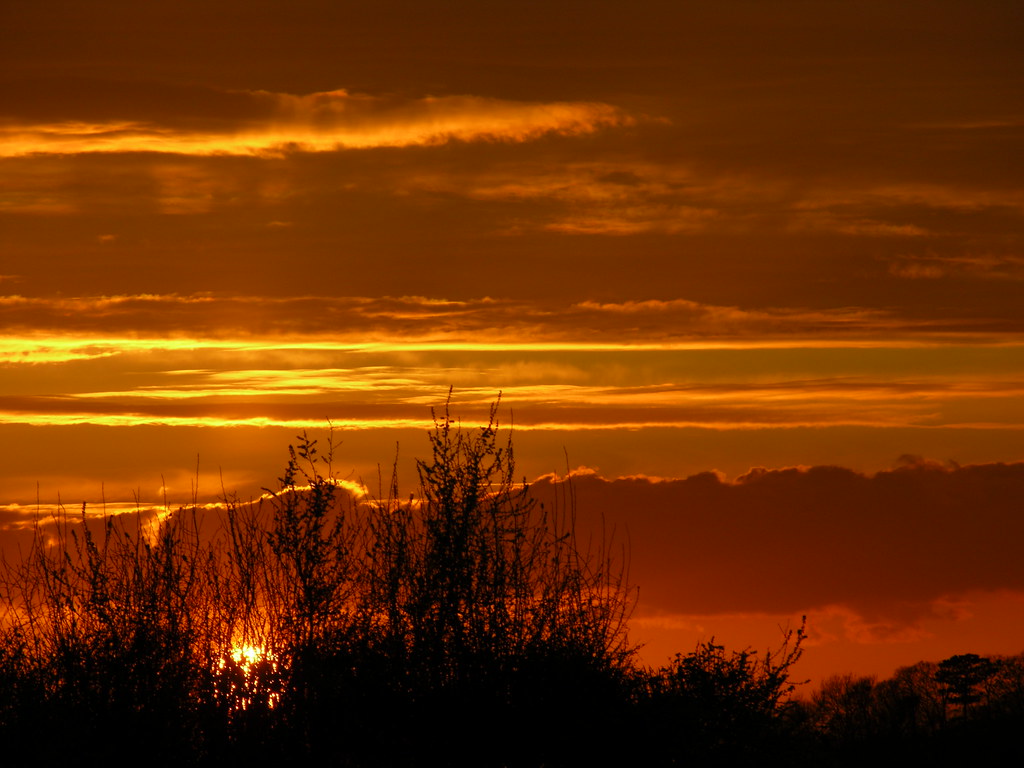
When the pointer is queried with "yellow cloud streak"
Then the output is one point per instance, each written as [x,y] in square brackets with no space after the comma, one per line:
[795,392]
[139,420]
[869,419]
[33,349]
[38,328]
[322,123]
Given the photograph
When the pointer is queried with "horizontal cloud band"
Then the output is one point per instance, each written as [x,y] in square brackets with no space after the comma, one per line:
[416,319]
[277,123]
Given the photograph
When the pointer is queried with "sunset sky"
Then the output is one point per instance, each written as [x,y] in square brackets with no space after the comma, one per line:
[753,270]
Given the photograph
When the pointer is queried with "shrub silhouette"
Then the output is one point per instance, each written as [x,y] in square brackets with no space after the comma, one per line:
[464,625]
[313,624]
[102,628]
[436,620]
[725,708]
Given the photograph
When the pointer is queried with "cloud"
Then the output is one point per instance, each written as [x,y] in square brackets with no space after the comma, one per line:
[417,319]
[964,198]
[637,219]
[891,547]
[713,320]
[626,196]
[860,227]
[972,266]
[260,123]
[202,359]
[189,383]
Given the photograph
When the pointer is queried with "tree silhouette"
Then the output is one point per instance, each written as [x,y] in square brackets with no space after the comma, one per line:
[960,677]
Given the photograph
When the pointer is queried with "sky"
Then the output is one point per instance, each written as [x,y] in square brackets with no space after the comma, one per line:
[750,271]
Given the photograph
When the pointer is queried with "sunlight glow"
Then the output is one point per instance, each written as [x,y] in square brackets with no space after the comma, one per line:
[42,347]
[323,122]
[250,675]
[247,655]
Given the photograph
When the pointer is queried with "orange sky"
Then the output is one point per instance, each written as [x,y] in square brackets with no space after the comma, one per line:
[679,238]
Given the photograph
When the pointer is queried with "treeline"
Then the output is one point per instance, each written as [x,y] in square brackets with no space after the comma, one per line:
[464,626]
[967,709]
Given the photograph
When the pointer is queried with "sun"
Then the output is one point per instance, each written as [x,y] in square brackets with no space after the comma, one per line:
[247,656]
[250,677]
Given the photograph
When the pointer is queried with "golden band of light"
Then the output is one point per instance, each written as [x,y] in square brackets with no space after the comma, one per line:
[34,349]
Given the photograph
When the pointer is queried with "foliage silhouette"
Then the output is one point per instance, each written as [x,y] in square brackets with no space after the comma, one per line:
[101,628]
[961,676]
[726,708]
[463,625]
[316,624]
[905,716]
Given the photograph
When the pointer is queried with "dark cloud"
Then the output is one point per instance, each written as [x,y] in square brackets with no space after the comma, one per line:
[787,540]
